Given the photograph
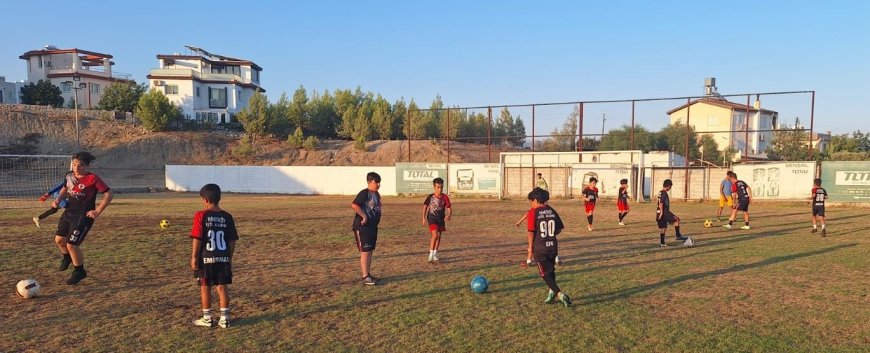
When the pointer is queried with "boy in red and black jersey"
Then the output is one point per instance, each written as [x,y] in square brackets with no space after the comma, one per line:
[819,195]
[741,193]
[436,211]
[367,206]
[214,242]
[664,215]
[590,197]
[543,226]
[80,192]
[622,201]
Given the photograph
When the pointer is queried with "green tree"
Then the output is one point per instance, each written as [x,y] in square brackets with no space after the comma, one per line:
[255,117]
[297,112]
[710,150]
[858,142]
[562,140]
[790,145]
[418,122]
[323,119]
[382,119]
[121,96]
[156,111]
[675,137]
[620,139]
[43,92]
[279,122]
[399,114]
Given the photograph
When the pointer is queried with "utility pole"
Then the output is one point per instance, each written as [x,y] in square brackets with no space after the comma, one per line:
[603,119]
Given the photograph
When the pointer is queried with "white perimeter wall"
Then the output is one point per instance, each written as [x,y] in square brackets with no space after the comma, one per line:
[778,181]
[280,180]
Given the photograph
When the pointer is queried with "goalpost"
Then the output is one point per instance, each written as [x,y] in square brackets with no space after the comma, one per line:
[23,178]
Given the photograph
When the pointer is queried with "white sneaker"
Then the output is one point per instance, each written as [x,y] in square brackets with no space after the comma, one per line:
[663,245]
[726,226]
[744,227]
[622,223]
[204,322]
[689,241]
[430,258]
[558,261]
[528,262]
[224,323]
[435,257]
[36,221]
[589,227]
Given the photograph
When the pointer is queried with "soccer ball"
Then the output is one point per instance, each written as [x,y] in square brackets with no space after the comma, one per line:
[689,242]
[708,223]
[164,224]
[479,284]
[27,288]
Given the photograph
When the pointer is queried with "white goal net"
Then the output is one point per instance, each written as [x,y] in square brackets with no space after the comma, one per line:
[24,178]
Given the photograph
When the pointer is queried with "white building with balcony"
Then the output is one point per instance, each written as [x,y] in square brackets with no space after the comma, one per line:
[208,87]
[69,68]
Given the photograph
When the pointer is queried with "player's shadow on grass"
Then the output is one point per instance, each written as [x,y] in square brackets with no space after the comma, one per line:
[633,291]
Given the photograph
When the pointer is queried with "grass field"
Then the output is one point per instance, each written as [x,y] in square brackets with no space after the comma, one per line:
[774,288]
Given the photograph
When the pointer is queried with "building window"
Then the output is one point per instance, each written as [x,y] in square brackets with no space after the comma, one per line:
[256,75]
[171,89]
[712,120]
[240,96]
[217,97]
[39,59]
[66,86]
[197,91]
[95,88]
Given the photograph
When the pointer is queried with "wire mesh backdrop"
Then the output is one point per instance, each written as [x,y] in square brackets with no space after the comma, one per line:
[26,177]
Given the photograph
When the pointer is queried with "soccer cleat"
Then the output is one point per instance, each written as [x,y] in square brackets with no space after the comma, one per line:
[223,323]
[430,258]
[563,298]
[65,262]
[824,232]
[689,242]
[622,223]
[435,258]
[682,238]
[814,230]
[663,245]
[726,226]
[558,261]
[369,281]
[36,221]
[550,297]
[77,277]
[744,227]
[204,322]
[529,262]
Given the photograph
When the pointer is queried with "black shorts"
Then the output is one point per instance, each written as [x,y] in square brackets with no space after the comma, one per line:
[667,218]
[743,205]
[74,226]
[214,274]
[366,238]
[819,211]
[546,262]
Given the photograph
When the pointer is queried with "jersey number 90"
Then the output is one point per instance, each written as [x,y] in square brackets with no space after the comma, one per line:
[547,228]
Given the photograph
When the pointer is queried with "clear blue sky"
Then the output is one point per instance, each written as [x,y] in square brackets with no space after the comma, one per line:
[493,53]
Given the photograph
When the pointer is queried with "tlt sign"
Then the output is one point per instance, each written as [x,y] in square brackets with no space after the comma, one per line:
[853,178]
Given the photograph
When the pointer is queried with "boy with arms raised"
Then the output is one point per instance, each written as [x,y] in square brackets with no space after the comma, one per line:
[80,192]
[543,226]
[436,211]
[367,206]
[214,241]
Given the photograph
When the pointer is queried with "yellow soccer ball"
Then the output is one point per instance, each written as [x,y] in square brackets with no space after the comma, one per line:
[164,224]
[708,223]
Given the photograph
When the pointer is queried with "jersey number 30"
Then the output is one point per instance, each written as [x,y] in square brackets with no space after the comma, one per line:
[216,240]
[548,228]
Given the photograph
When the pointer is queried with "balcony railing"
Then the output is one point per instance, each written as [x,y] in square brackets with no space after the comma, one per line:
[198,75]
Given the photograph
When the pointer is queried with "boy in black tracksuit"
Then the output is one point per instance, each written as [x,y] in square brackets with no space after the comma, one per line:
[544,224]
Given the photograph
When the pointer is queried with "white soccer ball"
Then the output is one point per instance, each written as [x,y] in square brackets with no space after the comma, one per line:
[689,242]
[27,288]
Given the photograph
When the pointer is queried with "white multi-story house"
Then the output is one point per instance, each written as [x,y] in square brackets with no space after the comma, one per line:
[68,69]
[208,87]
[748,129]
[9,91]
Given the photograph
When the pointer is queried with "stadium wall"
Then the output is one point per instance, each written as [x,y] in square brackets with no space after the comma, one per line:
[322,180]
[778,180]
